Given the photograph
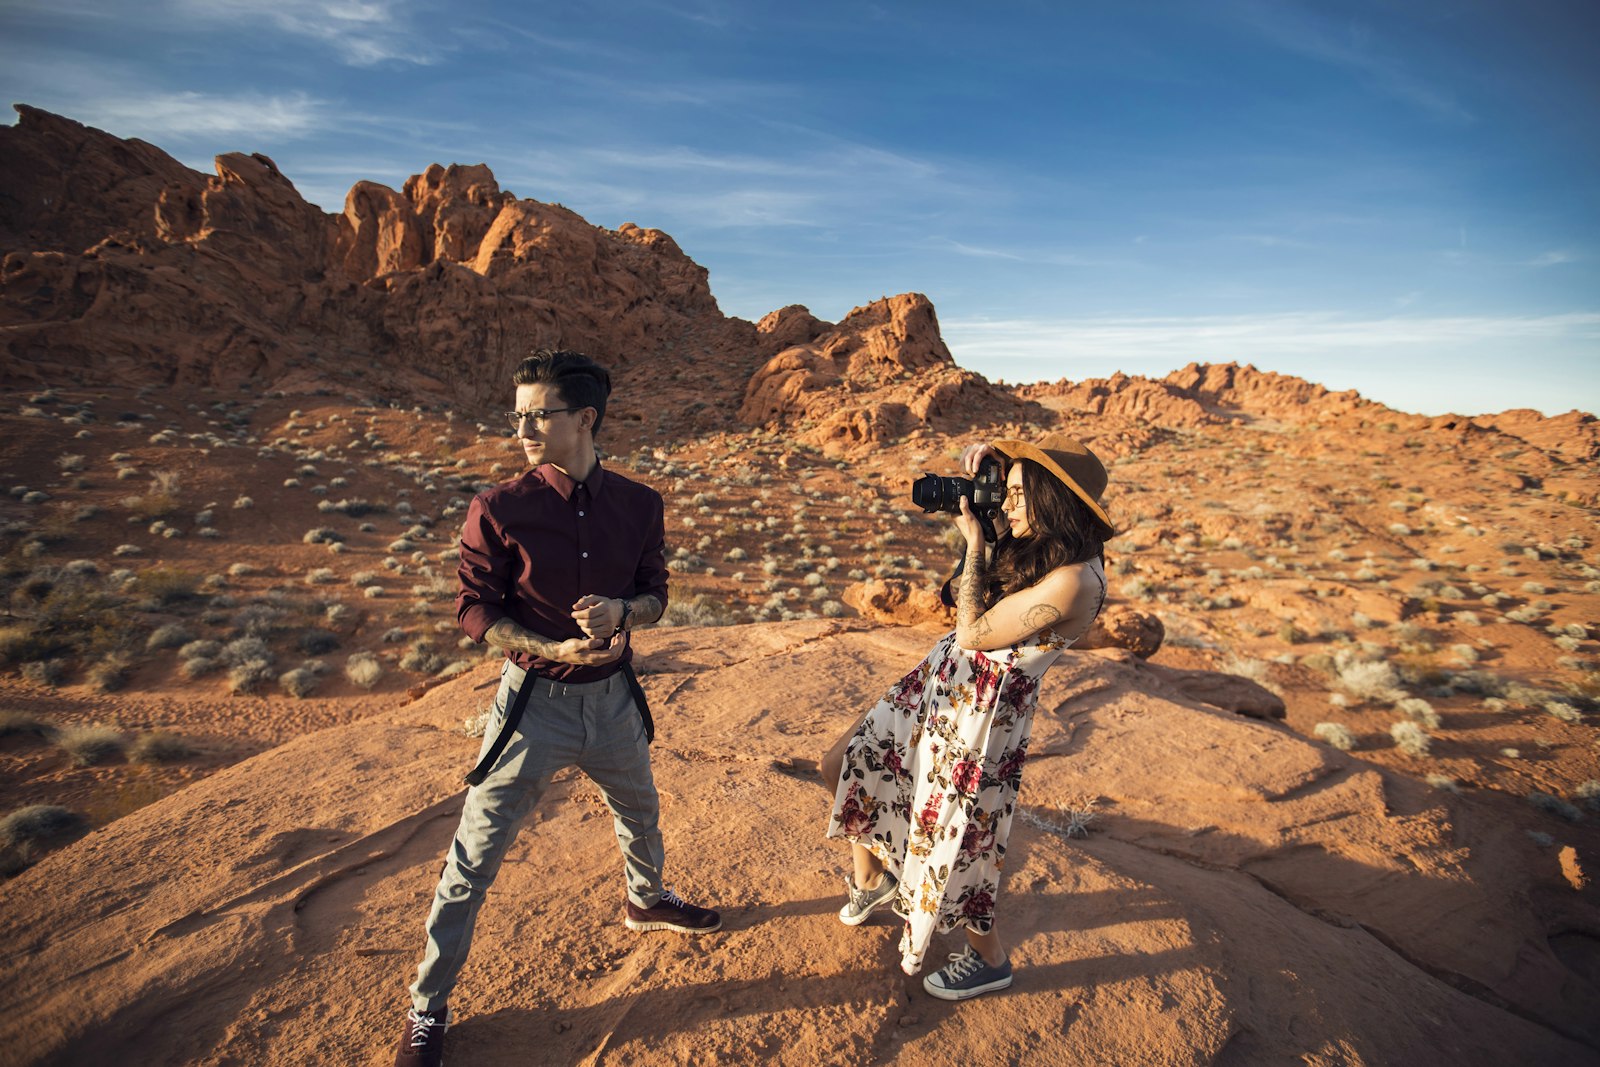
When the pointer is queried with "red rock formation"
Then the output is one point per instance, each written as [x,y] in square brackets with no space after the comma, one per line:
[1120,626]
[130,266]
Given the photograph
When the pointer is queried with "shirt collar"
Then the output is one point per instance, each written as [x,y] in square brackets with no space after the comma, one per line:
[562,482]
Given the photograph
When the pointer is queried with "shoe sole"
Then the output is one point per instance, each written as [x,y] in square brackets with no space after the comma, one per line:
[965,994]
[634,924]
[863,917]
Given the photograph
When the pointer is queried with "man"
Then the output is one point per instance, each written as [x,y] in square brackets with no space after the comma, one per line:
[556,566]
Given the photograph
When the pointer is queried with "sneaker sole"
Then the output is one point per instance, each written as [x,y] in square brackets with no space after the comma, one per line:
[863,917]
[634,924]
[965,994]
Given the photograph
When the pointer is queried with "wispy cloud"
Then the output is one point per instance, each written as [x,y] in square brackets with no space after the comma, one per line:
[1354,47]
[158,116]
[363,32]
[1553,258]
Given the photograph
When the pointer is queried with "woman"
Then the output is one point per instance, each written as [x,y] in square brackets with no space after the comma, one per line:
[926,784]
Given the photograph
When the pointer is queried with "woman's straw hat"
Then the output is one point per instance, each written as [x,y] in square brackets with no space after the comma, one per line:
[1070,460]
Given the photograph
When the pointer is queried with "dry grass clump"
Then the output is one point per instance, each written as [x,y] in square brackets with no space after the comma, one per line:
[300,682]
[88,745]
[1418,711]
[1554,805]
[1410,738]
[1335,735]
[363,670]
[249,676]
[26,827]
[110,673]
[422,658]
[1366,679]
[21,724]
[159,747]
[171,635]
[700,611]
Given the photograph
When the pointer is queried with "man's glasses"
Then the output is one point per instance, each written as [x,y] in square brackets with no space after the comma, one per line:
[540,416]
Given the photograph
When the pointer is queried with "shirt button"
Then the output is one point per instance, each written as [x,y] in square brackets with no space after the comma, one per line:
[580,514]
[586,555]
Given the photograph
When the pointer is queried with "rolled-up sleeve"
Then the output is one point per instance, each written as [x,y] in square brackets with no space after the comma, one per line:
[485,572]
[650,578]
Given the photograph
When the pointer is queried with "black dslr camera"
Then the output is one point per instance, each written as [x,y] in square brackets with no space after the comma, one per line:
[986,492]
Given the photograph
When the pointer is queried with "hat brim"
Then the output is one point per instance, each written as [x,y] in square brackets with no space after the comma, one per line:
[1015,450]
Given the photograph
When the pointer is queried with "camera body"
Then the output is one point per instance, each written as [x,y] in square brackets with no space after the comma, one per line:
[986,493]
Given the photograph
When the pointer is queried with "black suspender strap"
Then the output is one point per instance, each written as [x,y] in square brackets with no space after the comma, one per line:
[513,719]
[520,702]
[638,698]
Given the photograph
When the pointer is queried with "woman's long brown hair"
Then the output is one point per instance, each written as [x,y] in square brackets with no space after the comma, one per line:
[1064,531]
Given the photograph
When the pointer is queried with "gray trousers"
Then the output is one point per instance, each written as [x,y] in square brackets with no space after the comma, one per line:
[595,727]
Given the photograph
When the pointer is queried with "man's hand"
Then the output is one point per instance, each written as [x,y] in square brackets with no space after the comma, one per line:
[591,651]
[597,616]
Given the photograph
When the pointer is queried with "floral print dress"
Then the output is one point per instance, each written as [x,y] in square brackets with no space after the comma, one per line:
[930,779]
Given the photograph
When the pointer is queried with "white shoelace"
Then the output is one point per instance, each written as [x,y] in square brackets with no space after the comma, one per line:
[669,897]
[963,964]
[420,1025]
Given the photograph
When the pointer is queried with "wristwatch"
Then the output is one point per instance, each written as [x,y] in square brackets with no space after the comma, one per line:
[627,613]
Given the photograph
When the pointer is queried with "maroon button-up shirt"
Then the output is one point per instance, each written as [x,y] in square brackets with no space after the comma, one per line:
[532,546]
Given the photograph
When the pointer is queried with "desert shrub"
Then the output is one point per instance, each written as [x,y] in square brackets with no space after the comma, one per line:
[316,642]
[198,666]
[322,535]
[46,672]
[422,658]
[394,635]
[1410,738]
[700,611]
[299,682]
[245,650]
[171,635]
[243,570]
[1367,679]
[1554,805]
[163,585]
[320,576]
[249,676]
[197,649]
[1560,709]
[364,578]
[1589,793]
[159,747]
[21,724]
[363,669]
[455,667]
[1418,711]
[88,745]
[109,673]
[1335,735]
[1444,782]
[26,827]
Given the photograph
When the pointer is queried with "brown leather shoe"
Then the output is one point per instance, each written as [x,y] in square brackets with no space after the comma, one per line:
[672,913]
[422,1040]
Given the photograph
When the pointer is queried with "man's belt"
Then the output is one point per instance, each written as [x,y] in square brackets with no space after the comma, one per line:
[519,703]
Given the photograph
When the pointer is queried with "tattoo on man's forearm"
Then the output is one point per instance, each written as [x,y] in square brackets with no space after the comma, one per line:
[646,609]
[508,635]
[1039,616]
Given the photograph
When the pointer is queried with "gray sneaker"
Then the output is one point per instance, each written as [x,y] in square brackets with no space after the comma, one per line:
[966,975]
[862,902]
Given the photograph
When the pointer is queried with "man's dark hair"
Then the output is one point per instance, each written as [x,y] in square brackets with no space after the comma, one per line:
[578,380]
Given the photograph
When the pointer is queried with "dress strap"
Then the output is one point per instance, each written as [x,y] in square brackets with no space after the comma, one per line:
[1096,568]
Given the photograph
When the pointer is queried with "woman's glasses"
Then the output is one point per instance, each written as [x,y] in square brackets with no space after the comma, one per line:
[540,416]
[1014,497]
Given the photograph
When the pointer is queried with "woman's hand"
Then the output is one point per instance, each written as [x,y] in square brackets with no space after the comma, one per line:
[974,456]
[968,524]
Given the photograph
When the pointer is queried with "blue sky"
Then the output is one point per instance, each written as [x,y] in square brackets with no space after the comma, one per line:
[1402,199]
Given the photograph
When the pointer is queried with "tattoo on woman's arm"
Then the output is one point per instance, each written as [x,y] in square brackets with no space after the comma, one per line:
[1039,616]
[969,602]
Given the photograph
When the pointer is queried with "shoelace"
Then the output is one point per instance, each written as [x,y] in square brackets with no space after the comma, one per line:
[963,964]
[420,1025]
[670,897]
[860,898]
